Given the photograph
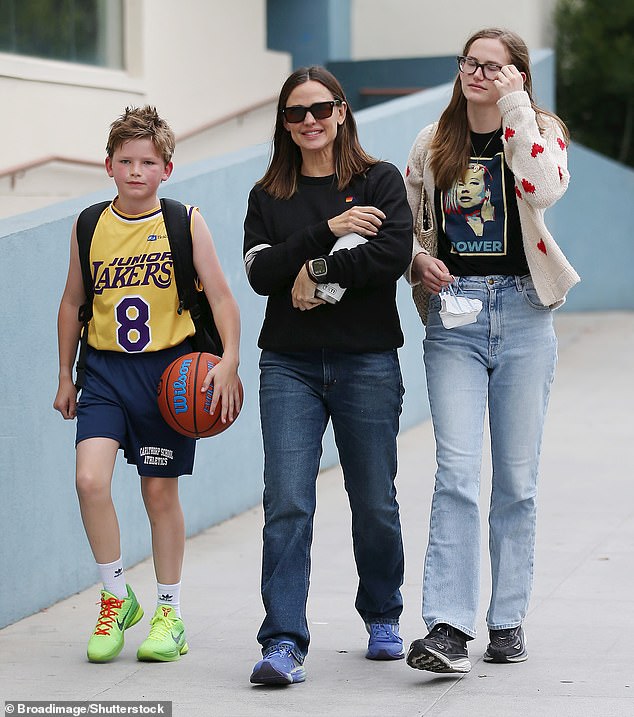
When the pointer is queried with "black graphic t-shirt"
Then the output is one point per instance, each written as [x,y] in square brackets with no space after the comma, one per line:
[479,230]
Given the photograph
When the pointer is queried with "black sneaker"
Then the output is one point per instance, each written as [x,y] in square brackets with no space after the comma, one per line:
[506,646]
[443,650]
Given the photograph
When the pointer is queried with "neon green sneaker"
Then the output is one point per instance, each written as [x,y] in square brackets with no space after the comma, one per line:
[115,616]
[166,641]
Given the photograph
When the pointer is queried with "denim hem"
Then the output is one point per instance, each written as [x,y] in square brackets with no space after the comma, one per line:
[469,634]
[506,626]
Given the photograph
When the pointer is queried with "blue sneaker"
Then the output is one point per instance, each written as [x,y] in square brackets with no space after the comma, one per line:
[384,642]
[279,666]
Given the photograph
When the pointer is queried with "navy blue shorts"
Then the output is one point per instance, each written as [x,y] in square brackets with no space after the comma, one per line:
[118,401]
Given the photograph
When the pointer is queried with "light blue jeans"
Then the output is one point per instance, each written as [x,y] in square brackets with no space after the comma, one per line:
[362,395]
[506,360]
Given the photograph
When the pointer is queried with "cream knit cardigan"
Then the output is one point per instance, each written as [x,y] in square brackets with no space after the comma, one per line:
[539,164]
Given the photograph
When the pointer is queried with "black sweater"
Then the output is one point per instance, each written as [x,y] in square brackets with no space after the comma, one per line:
[288,232]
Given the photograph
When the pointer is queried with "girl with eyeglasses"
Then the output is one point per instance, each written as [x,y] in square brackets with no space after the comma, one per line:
[324,361]
[505,359]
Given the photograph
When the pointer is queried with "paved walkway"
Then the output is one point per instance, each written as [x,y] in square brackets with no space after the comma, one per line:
[579,629]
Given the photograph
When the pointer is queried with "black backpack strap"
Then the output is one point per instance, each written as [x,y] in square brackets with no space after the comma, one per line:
[86,224]
[178,226]
[177,220]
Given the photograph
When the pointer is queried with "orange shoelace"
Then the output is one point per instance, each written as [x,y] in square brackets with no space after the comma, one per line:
[107,615]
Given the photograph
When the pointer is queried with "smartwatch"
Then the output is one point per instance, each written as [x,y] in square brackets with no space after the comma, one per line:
[317,269]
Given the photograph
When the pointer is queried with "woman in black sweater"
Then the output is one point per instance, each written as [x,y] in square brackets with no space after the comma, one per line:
[324,360]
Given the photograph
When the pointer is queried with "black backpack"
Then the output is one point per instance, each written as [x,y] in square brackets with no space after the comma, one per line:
[177,224]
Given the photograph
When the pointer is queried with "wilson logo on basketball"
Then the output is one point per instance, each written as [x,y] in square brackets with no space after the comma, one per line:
[179,398]
[183,404]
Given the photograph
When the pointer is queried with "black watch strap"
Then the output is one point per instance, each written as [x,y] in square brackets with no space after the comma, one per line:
[311,267]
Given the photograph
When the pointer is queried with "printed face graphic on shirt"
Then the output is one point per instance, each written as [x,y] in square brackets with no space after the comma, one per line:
[474,210]
[471,191]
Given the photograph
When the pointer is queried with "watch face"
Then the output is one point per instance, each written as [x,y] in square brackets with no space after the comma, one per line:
[318,267]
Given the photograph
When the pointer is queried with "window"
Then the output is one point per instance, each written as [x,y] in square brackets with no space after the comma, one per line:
[89,32]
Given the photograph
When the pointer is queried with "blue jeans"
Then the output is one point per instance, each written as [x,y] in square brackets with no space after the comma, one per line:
[506,360]
[299,393]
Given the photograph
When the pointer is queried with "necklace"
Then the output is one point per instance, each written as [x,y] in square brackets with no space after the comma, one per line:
[486,146]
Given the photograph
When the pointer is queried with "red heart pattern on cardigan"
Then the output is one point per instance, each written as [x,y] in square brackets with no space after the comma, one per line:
[508,133]
[561,143]
[517,191]
[528,187]
[536,149]
[542,247]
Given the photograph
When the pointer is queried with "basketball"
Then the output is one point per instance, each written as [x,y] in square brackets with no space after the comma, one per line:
[182,404]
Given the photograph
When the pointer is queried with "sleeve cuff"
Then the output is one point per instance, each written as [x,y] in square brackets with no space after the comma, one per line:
[514,100]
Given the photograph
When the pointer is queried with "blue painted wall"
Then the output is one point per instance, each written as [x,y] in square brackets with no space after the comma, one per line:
[416,72]
[596,222]
[44,554]
[313,31]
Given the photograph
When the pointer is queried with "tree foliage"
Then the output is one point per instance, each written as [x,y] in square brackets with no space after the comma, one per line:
[595,74]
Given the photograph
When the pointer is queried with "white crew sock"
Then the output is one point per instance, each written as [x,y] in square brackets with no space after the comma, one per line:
[113,578]
[169,595]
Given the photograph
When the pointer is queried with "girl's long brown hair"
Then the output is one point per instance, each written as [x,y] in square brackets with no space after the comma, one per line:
[281,177]
[451,142]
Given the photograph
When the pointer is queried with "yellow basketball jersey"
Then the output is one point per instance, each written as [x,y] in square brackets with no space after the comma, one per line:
[136,301]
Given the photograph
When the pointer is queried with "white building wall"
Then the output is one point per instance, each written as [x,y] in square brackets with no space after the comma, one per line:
[425,28]
[196,60]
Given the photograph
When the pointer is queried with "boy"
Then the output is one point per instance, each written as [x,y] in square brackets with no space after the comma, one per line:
[135,332]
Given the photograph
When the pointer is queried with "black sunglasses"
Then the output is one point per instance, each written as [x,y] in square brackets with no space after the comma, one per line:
[319,110]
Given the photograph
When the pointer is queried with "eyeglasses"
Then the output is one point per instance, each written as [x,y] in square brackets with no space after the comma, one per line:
[319,110]
[469,66]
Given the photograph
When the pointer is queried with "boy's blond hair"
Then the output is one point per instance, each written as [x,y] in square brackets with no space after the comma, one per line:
[142,123]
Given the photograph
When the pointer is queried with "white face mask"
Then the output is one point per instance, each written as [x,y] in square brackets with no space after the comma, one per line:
[457,310]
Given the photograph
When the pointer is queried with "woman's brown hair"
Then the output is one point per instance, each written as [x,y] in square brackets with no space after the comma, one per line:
[451,142]
[281,177]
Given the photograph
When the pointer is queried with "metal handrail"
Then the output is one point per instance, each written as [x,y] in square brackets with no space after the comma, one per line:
[14,171]
[226,118]
[19,169]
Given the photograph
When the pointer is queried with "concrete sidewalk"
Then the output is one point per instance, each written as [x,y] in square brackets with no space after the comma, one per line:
[579,629]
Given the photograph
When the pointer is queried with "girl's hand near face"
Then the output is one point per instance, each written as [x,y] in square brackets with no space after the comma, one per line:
[509,79]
